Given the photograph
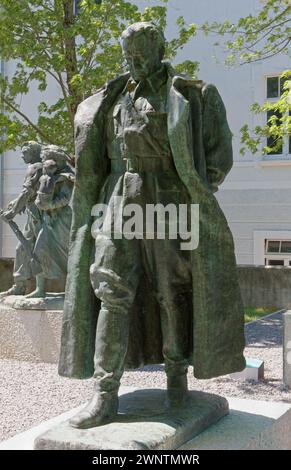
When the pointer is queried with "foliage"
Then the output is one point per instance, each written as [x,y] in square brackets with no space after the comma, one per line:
[52,43]
[255,313]
[278,124]
[259,37]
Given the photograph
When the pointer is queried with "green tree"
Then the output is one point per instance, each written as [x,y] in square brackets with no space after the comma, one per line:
[260,37]
[77,48]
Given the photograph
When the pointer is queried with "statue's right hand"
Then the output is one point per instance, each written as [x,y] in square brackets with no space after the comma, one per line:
[8,214]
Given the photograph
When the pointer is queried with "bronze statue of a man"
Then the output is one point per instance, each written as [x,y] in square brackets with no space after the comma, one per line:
[149,136]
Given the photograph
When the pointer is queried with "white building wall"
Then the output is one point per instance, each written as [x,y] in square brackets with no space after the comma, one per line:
[256,194]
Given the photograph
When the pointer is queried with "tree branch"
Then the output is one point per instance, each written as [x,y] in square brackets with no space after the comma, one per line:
[267,49]
[284,12]
[70,52]
[26,118]
[58,78]
[287,41]
[267,33]
[259,30]
[66,98]
[88,63]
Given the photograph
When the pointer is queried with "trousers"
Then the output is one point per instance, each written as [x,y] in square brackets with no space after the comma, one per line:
[115,276]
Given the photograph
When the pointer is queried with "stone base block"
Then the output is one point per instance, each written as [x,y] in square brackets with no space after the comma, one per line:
[30,335]
[254,370]
[250,425]
[143,422]
[52,301]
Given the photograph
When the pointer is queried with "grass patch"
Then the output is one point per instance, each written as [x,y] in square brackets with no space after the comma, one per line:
[252,314]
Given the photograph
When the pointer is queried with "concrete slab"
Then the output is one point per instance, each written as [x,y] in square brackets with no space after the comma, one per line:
[143,422]
[250,425]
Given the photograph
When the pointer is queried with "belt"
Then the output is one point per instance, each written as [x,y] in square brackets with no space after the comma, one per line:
[143,164]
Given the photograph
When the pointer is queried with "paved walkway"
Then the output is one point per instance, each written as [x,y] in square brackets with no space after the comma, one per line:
[267,331]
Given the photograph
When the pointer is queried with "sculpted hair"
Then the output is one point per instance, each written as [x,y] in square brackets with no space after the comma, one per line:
[55,153]
[149,30]
[35,149]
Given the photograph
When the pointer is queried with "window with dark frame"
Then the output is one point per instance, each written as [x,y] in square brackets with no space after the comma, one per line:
[275,88]
[277,252]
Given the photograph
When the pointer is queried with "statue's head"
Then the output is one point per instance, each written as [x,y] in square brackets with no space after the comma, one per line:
[31,151]
[50,167]
[143,46]
[53,153]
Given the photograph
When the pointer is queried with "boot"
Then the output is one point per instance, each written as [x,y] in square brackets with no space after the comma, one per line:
[110,352]
[19,288]
[177,387]
[101,409]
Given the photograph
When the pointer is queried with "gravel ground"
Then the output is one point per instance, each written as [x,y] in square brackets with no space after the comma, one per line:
[31,393]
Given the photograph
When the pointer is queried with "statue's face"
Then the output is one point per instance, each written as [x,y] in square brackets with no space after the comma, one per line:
[142,57]
[27,154]
[50,167]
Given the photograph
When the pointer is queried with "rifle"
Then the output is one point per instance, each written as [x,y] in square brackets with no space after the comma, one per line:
[21,238]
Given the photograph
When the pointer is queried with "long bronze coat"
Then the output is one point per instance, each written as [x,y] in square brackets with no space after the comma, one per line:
[200,140]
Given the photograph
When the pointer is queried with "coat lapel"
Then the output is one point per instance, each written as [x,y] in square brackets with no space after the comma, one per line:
[180,137]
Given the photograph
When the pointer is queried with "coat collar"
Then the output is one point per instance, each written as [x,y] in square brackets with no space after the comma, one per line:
[154,82]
